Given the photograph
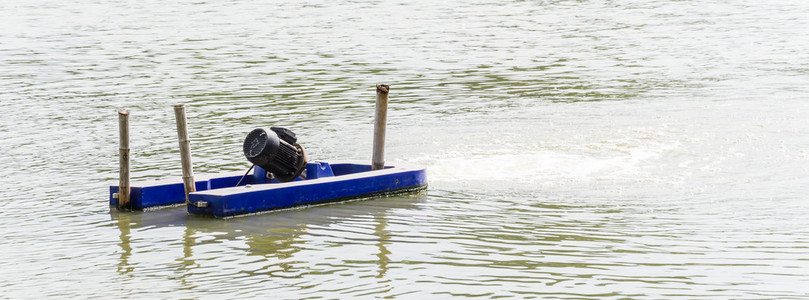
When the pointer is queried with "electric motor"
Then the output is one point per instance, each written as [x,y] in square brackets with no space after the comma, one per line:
[276,151]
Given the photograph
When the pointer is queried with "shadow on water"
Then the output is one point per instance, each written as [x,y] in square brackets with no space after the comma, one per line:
[274,235]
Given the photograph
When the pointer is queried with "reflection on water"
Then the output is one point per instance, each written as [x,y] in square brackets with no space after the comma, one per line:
[626,149]
[271,242]
[125,224]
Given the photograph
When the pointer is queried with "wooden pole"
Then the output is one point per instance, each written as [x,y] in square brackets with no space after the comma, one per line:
[123,162]
[381,118]
[185,150]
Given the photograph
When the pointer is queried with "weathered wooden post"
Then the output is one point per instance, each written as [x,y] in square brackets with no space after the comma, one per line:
[123,162]
[185,150]
[381,118]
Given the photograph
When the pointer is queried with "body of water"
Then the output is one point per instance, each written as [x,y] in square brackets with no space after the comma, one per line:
[608,149]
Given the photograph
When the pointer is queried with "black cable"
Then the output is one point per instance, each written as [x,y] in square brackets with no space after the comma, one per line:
[245,174]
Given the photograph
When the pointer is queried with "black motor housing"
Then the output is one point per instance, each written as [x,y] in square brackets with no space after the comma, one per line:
[276,151]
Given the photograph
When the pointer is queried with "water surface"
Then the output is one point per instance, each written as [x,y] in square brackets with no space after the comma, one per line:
[575,148]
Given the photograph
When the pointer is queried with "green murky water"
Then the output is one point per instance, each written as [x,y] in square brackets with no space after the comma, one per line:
[575,148]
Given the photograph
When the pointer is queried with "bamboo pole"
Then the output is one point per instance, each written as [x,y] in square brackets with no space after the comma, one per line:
[380,119]
[185,150]
[123,162]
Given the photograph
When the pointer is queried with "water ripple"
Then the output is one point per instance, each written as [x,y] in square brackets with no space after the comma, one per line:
[627,149]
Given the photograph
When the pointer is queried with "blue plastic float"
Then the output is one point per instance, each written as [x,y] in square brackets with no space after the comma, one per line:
[218,195]
[281,175]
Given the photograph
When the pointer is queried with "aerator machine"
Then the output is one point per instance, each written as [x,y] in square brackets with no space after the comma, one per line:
[276,151]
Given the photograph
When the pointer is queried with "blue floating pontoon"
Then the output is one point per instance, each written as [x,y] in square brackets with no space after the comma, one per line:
[282,176]
[218,195]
